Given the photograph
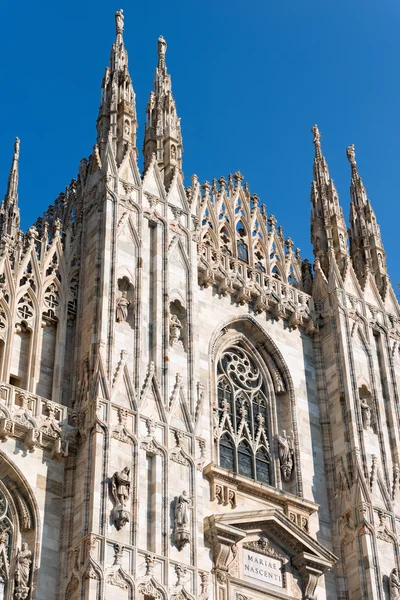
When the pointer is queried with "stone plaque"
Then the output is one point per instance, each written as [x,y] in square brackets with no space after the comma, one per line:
[263,568]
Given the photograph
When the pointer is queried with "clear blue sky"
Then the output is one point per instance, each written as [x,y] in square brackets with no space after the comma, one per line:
[249,78]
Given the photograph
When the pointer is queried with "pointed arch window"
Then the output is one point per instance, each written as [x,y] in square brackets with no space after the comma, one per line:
[243,415]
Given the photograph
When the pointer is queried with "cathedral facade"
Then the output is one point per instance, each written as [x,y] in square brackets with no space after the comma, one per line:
[188,409]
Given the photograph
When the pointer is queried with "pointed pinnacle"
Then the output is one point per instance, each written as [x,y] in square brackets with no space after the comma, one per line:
[12,188]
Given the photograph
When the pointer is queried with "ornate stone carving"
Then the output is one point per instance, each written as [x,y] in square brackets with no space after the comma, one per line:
[394,585]
[286,455]
[183,506]
[175,328]
[262,546]
[120,490]
[383,532]
[22,572]
[122,308]
[204,585]
[365,413]
[150,560]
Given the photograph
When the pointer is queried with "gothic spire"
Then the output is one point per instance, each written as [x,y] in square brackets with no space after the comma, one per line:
[163,130]
[328,228]
[117,113]
[9,211]
[366,247]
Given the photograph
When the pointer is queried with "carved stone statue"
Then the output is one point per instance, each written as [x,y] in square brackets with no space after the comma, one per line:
[120,490]
[285,455]
[366,414]
[175,327]
[351,155]
[22,572]
[122,308]
[394,585]
[182,535]
[317,135]
[119,21]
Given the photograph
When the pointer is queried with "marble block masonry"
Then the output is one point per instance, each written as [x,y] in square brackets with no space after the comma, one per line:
[189,410]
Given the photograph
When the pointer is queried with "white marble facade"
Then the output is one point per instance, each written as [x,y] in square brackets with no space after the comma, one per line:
[188,409]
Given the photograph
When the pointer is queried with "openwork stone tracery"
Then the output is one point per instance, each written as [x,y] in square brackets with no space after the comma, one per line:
[243,416]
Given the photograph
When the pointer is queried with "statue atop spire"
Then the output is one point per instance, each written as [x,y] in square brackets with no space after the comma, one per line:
[119,22]
[351,155]
[163,130]
[117,114]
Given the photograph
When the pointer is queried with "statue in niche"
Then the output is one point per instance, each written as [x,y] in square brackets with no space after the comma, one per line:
[286,454]
[120,490]
[122,308]
[173,152]
[175,327]
[22,572]
[183,506]
[394,585]
[365,413]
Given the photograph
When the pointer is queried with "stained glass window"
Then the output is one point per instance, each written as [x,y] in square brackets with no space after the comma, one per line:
[243,415]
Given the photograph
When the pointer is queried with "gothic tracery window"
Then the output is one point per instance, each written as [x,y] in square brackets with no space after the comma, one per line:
[243,424]
[6,533]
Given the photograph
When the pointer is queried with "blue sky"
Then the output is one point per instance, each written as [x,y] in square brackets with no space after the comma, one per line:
[249,78]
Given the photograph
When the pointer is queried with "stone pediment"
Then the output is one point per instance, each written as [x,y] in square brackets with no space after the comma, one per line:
[276,537]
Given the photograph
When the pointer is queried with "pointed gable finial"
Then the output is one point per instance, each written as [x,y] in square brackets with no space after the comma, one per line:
[163,135]
[119,24]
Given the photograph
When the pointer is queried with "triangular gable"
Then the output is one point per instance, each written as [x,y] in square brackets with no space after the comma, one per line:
[351,283]
[391,303]
[176,194]
[128,169]
[179,413]
[151,403]
[100,383]
[152,181]
[123,390]
[371,293]
[294,541]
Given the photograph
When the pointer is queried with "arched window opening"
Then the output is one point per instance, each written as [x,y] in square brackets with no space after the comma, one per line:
[227,453]
[243,414]
[262,466]
[245,460]
[6,543]
[242,247]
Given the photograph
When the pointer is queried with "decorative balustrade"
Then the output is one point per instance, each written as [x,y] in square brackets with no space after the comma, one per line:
[250,285]
[40,422]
